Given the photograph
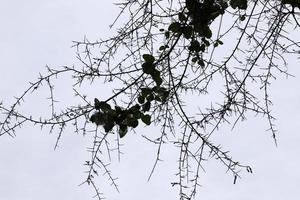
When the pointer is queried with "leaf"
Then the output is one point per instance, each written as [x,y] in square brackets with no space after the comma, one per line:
[98,118]
[122,130]
[133,123]
[217,43]
[135,108]
[97,104]
[175,27]
[205,41]
[105,107]
[194,59]
[240,4]
[181,17]
[202,47]
[167,34]
[150,97]
[148,58]
[188,32]
[242,17]
[156,77]
[207,32]
[120,116]
[195,46]
[146,119]
[108,126]
[93,118]
[141,99]
[163,47]
[293,3]
[134,111]
[148,68]
[191,5]
[146,106]
[157,98]
[162,94]
[201,63]
[165,96]
[146,91]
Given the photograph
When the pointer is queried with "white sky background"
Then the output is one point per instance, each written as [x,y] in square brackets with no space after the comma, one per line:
[35,33]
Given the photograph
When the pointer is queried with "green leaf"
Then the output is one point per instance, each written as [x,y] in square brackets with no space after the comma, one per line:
[217,43]
[181,17]
[240,4]
[148,58]
[123,130]
[161,94]
[156,77]
[108,126]
[98,118]
[146,106]
[293,3]
[202,47]
[141,99]
[205,41]
[201,63]
[165,96]
[101,105]
[188,32]
[191,5]
[150,97]
[167,34]
[120,116]
[163,47]
[105,107]
[93,118]
[134,109]
[195,46]
[242,17]
[146,91]
[207,32]
[146,119]
[157,98]
[175,27]
[148,68]
[97,104]
[194,59]
[132,122]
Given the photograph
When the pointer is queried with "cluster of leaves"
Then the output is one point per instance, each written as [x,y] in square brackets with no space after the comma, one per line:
[203,13]
[147,95]
[293,3]
[124,118]
[195,19]
[149,68]
[240,4]
[194,22]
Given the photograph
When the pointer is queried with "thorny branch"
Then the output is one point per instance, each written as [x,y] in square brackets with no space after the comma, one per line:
[165,52]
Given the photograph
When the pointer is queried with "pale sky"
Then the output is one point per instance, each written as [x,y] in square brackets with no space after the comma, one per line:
[35,33]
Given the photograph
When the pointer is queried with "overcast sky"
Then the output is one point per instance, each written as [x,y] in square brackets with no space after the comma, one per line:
[34,33]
